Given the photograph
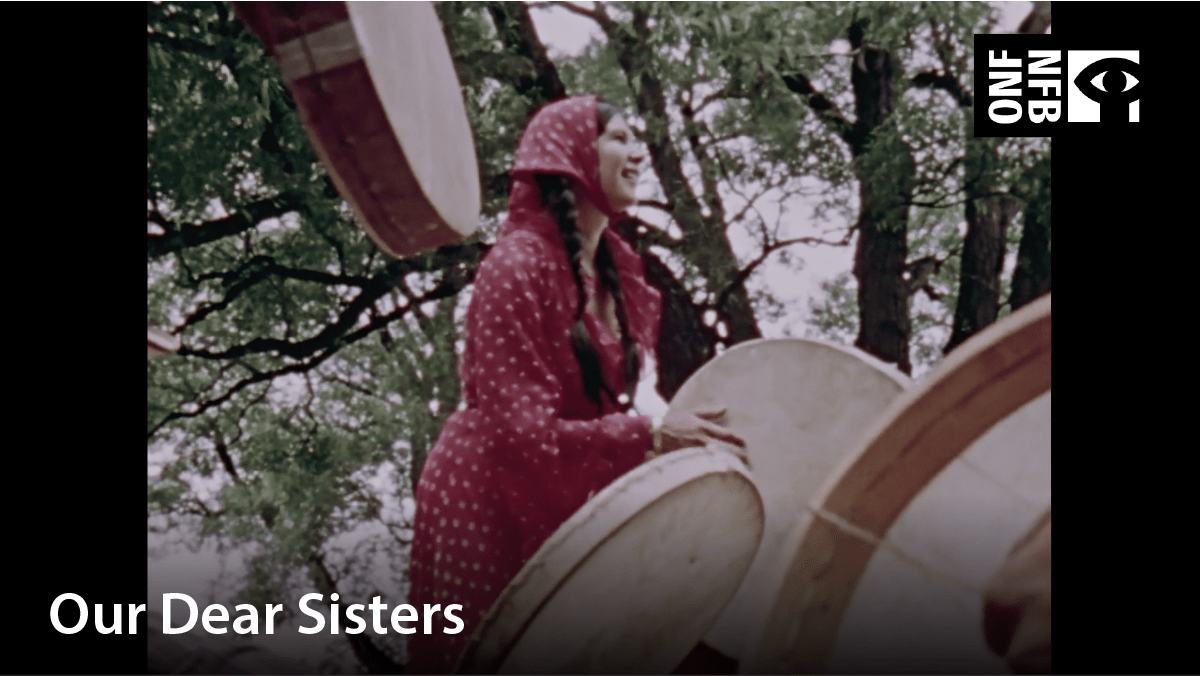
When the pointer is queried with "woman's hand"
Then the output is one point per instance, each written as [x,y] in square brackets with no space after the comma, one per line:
[683,429]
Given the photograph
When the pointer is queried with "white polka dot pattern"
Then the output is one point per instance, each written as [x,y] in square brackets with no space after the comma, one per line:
[529,448]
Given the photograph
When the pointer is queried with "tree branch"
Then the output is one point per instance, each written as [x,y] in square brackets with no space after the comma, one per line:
[736,93]
[370,655]
[769,249]
[594,15]
[945,82]
[335,335]
[642,233]
[179,237]
[517,32]
[1038,20]
[712,196]
[937,204]
[263,267]
[222,449]
[825,109]
[661,206]
[349,384]
[331,345]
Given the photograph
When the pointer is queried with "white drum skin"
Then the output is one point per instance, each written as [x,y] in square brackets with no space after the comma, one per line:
[376,89]
[630,582]
[800,405]
[887,519]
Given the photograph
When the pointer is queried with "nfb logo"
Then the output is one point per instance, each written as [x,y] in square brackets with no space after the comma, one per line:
[1104,86]
[1032,86]
[1043,64]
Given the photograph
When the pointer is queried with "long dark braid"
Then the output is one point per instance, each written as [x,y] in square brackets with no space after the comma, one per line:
[558,197]
[611,278]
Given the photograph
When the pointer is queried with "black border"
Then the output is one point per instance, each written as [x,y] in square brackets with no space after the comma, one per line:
[1124,587]
[76,498]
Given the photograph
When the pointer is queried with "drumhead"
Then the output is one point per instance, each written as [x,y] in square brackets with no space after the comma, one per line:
[376,88]
[800,405]
[918,605]
[882,504]
[632,580]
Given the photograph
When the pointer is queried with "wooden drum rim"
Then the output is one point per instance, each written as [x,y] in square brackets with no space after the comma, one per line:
[985,380]
[383,109]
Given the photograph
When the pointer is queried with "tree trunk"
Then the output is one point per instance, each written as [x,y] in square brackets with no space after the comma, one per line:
[1038,20]
[705,242]
[371,656]
[879,258]
[982,264]
[882,248]
[541,83]
[1032,276]
[684,342]
[988,218]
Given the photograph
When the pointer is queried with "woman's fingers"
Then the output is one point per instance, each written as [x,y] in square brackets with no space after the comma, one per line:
[710,413]
[724,434]
[739,451]
[683,429]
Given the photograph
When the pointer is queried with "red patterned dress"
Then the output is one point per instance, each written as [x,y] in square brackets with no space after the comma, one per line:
[530,448]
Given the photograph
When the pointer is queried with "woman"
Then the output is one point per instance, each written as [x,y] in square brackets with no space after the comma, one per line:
[556,331]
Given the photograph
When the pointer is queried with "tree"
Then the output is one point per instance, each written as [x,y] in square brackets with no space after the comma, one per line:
[989,211]
[315,374]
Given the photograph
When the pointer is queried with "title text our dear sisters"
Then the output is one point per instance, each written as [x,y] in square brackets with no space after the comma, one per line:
[404,618]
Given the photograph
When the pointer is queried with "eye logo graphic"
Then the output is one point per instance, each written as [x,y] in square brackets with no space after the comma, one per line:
[1031,86]
[1103,86]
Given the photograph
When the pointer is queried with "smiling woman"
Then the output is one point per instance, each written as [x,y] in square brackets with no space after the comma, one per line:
[620,158]
[556,332]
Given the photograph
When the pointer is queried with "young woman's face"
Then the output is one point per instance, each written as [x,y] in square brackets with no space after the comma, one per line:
[620,158]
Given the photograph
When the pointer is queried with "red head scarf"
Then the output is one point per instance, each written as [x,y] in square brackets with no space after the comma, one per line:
[561,139]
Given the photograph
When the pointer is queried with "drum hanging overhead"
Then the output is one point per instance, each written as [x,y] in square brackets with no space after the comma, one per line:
[632,580]
[897,546]
[800,405]
[376,89]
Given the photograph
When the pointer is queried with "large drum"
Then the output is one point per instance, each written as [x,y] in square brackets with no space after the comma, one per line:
[632,580]
[800,405]
[376,89]
[896,548]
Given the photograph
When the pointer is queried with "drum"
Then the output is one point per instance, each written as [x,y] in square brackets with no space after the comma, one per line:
[376,89]
[800,405]
[1017,605]
[896,547]
[632,580]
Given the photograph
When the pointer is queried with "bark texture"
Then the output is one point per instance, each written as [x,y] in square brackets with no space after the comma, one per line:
[882,248]
[988,218]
